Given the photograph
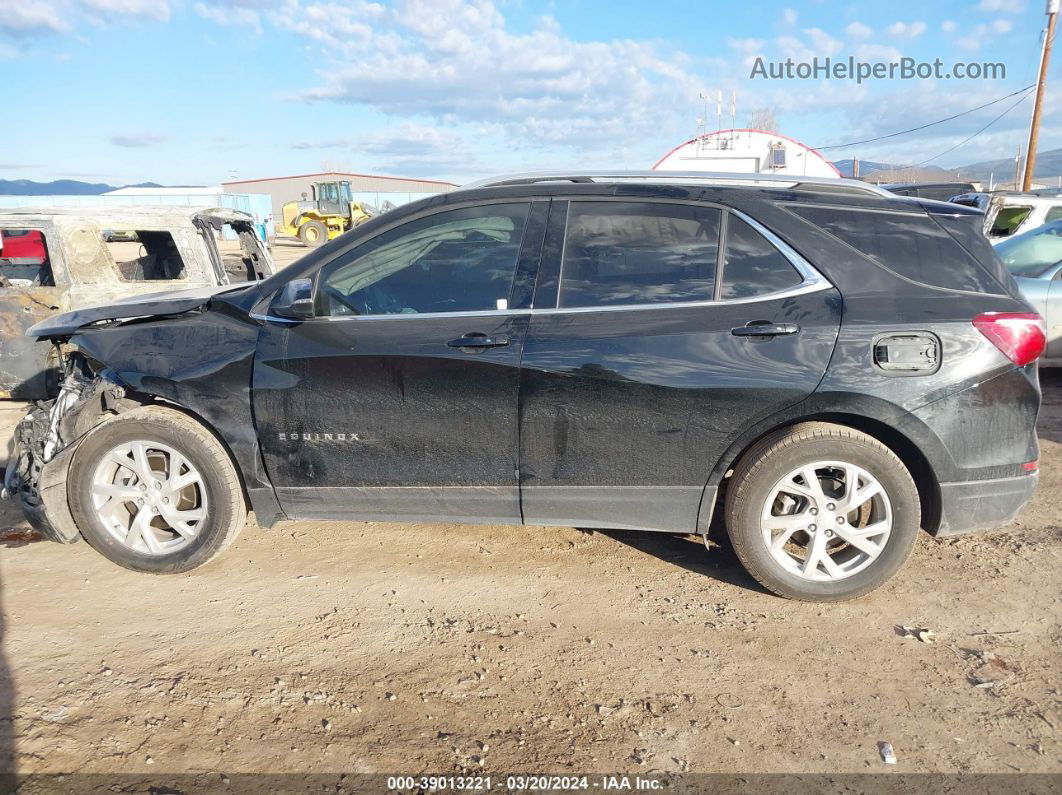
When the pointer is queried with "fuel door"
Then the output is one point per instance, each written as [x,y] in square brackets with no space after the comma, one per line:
[909,353]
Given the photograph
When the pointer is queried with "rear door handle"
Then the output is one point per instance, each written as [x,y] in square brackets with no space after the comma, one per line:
[761,328]
[479,341]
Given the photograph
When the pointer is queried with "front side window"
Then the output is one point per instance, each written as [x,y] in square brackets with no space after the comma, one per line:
[145,255]
[461,260]
[623,253]
[752,265]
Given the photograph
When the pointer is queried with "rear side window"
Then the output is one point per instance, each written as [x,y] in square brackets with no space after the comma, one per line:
[1054,214]
[1008,219]
[622,253]
[908,244]
[24,260]
[751,265]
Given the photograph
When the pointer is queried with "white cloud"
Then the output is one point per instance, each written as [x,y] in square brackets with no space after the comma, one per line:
[948,26]
[1002,25]
[1001,6]
[112,10]
[230,14]
[822,42]
[750,49]
[857,30]
[877,52]
[22,19]
[789,16]
[906,30]
[448,59]
[138,140]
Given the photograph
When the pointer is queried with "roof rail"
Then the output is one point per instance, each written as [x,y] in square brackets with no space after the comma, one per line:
[838,184]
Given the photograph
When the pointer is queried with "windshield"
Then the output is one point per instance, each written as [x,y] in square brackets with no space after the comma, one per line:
[1035,253]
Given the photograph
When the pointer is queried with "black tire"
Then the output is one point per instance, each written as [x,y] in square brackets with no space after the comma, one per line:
[226,512]
[313,233]
[780,453]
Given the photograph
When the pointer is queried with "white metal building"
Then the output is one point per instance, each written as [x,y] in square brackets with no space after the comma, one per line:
[370,188]
[747,152]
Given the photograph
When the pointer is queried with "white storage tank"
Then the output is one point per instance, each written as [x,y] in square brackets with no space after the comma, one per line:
[747,152]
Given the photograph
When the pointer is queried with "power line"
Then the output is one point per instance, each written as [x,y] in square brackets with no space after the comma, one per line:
[962,143]
[930,124]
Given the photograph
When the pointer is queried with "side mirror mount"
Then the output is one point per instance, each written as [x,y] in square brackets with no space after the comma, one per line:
[294,301]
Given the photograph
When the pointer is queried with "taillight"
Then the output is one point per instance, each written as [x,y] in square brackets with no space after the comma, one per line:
[1020,336]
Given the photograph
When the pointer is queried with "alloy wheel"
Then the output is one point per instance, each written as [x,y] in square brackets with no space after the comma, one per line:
[149,497]
[826,521]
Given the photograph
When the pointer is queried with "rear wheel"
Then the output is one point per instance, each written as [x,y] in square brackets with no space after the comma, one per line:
[155,491]
[313,233]
[822,512]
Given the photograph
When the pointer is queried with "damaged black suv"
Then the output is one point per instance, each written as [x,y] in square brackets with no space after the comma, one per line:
[828,366]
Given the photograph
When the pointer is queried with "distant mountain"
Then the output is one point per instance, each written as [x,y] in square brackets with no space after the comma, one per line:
[1048,164]
[65,187]
[61,187]
[867,167]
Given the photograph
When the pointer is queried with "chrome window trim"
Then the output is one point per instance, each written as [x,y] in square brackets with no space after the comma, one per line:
[813,282]
[800,289]
[435,315]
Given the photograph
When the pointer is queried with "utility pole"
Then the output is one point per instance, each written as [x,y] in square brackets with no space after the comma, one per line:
[1034,127]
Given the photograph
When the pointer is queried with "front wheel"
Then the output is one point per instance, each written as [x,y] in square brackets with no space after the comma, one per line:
[155,491]
[822,512]
[313,233]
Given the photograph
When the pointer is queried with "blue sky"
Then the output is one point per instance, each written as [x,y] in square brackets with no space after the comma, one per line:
[194,91]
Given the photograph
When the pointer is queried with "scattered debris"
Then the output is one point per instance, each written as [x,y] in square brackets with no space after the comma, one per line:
[924,635]
[888,755]
[729,701]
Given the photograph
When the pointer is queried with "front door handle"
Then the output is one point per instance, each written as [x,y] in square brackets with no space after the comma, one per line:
[476,340]
[762,328]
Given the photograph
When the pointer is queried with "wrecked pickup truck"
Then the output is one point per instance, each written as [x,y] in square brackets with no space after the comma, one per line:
[55,260]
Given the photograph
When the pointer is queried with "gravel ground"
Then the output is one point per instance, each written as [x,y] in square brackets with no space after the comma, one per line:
[374,647]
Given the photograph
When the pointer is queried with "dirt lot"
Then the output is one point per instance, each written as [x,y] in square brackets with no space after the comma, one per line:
[440,648]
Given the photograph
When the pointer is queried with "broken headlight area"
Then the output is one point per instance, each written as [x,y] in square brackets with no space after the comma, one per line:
[47,436]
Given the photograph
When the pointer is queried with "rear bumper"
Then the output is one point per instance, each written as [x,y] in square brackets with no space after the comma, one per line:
[974,505]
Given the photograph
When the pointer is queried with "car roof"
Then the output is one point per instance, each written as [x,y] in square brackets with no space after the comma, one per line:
[119,215]
[685,178]
[895,185]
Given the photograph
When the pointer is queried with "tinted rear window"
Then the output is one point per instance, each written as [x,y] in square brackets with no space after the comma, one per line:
[910,245]
[619,253]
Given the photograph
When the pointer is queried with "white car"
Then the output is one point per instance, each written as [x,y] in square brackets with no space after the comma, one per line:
[1009,214]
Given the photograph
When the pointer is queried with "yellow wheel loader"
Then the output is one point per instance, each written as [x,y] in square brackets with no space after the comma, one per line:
[331,213]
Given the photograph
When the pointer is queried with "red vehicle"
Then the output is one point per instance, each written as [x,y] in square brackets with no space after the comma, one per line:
[22,247]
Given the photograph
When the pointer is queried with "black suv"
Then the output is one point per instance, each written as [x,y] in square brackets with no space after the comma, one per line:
[828,365]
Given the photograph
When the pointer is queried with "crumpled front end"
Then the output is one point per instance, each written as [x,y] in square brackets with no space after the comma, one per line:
[46,439]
